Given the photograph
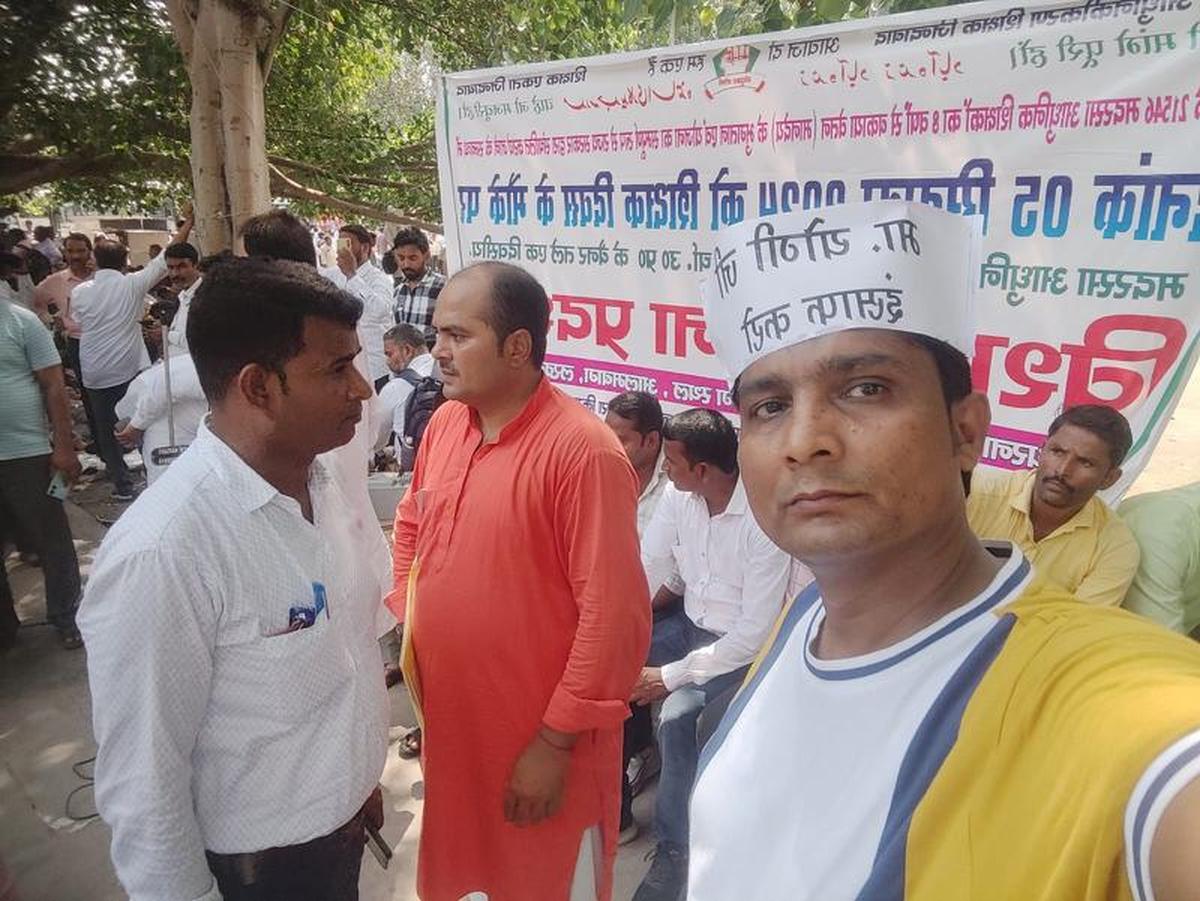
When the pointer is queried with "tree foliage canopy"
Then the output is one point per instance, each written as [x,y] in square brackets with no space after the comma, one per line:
[94,95]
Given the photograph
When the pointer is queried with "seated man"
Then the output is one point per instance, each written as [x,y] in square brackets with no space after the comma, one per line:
[1166,587]
[159,416]
[704,545]
[409,361]
[637,420]
[1053,515]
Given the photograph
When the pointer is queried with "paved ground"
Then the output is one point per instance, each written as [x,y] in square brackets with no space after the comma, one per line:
[45,734]
[45,731]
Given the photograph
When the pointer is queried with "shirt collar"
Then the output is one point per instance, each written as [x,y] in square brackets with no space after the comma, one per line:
[1020,498]
[540,397]
[422,282]
[737,505]
[252,491]
[660,473]
[101,275]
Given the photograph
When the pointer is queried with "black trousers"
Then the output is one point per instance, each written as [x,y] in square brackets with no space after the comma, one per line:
[104,408]
[324,869]
[26,509]
[73,364]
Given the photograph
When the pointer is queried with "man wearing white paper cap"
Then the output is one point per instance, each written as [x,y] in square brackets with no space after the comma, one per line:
[929,720]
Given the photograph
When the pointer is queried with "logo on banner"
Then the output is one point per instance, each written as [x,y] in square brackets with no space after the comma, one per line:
[733,66]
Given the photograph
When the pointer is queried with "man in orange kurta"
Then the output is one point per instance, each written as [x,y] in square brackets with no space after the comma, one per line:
[526,610]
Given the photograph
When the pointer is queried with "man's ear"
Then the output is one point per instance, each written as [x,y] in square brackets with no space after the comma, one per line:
[1111,479]
[969,421]
[258,386]
[518,348]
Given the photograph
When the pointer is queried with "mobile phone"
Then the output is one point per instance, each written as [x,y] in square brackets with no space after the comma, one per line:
[383,853]
[343,243]
[58,487]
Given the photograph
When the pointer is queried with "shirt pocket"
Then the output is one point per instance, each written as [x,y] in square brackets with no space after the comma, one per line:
[297,676]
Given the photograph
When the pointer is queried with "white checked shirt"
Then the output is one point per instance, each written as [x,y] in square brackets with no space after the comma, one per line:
[217,728]
[732,578]
[373,287]
[108,309]
[415,303]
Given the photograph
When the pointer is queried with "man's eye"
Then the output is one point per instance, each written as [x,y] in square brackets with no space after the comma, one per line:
[767,409]
[866,389]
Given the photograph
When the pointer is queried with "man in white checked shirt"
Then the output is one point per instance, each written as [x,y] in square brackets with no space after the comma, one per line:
[232,616]
[419,286]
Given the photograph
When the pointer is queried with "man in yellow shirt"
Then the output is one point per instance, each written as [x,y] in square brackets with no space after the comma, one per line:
[1052,514]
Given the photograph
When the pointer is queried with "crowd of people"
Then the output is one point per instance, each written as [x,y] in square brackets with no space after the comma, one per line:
[859,667]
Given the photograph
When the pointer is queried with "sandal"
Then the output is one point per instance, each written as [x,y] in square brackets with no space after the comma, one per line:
[71,639]
[410,745]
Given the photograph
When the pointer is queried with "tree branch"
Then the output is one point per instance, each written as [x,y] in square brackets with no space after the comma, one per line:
[282,186]
[184,27]
[278,19]
[20,172]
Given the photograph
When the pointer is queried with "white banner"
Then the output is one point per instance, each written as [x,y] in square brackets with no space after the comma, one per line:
[1070,132]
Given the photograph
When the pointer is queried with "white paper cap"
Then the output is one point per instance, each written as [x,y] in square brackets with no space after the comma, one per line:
[890,264]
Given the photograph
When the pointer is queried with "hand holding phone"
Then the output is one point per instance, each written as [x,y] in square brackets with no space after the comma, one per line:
[58,487]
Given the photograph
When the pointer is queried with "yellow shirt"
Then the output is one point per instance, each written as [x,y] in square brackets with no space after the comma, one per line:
[1093,555]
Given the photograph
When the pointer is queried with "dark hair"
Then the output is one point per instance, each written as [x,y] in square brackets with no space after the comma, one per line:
[9,260]
[413,237]
[641,408]
[1104,422]
[954,370]
[13,237]
[279,235]
[181,250]
[518,301]
[110,255]
[387,263]
[42,232]
[706,436]
[407,334]
[78,236]
[359,231]
[253,311]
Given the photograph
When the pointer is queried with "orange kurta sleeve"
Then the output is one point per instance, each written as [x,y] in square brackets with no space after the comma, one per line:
[404,534]
[597,513]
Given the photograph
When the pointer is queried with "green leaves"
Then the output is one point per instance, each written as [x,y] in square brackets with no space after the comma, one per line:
[832,10]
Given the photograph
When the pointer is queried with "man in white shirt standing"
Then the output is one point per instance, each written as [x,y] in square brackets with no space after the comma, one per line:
[111,350]
[373,287]
[409,361]
[705,547]
[232,615]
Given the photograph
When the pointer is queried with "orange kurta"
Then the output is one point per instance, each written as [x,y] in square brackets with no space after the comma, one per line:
[528,605]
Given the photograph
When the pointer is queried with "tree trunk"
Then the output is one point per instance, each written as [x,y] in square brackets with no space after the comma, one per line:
[209,199]
[243,115]
[227,46]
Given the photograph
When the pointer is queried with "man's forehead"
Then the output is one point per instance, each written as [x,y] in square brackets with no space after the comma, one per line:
[463,298]
[831,354]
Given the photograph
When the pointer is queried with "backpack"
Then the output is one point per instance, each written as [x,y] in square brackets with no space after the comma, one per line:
[426,397]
